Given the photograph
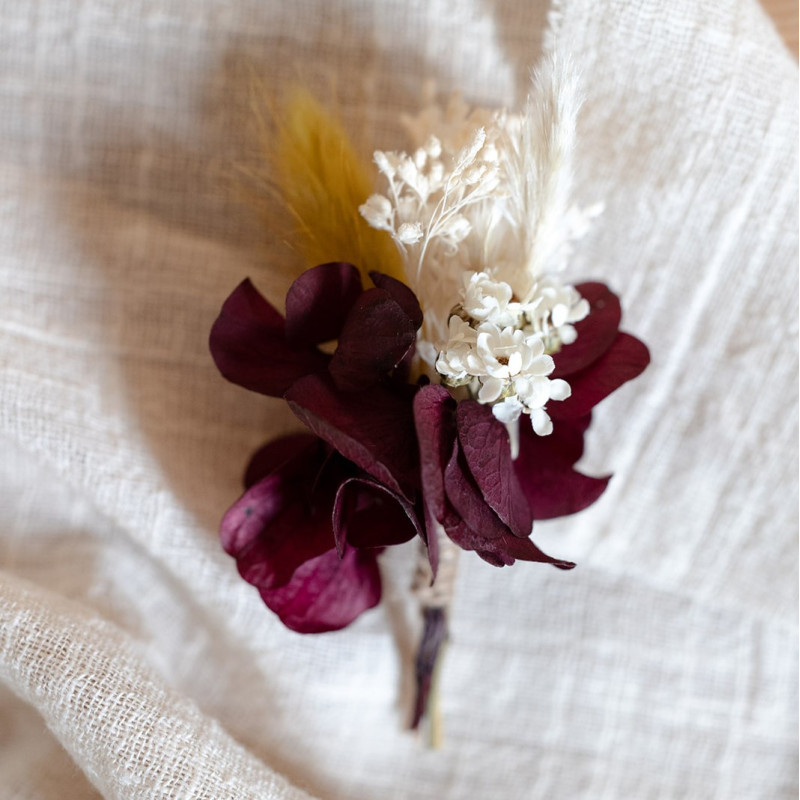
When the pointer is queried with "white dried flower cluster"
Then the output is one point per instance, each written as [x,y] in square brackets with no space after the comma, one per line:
[500,347]
[481,213]
[428,195]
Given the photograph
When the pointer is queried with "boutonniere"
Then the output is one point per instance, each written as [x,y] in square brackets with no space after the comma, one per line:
[443,363]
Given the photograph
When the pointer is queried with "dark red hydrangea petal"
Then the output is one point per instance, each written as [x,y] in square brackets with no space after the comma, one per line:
[247,518]
[375,337]
[373,428]
[485,445]
[248,345]
[468,501]
[545,472]
[319,301]
[624,360]
[502,551]
[563,447]
[296,464]
[401,294]
[281,534]
[367,514]
[285,542]
[596,332]
[277,453]
[434,418]
[275,527]
[476,527]
[284,519]
[327,593]
[558,494]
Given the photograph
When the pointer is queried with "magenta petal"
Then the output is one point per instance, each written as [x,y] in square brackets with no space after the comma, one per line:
[327,593]
[624,360]
[401,294]
[596,332]
[367,514]
[373,428]
[248,346]
[319,301]
[375,337]
[485,445]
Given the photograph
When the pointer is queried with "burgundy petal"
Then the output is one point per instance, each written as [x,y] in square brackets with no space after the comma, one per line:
[401,294]
[545,472]
[563,447]
[502,551]
[434,419]
[327,593]
[319,301]
[485,445]
[249,348]
[277,453]
[596,332]
[373,428]
[274,528]
[507,549]
[476,527]
[467,500]
[367,514]
[253,511]
[559,493]
[375,337]
[624,360]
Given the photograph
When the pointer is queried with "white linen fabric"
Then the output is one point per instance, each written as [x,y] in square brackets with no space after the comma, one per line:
[134,663]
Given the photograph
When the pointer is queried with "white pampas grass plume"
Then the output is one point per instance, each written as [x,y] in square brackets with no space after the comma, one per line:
[538,155]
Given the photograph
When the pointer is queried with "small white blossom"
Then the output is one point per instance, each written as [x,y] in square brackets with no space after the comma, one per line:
[488,300]
[559,389]
[433,147]
[409,232]
[456,229]
[457,363]
[509,411]
[506,365]
[541,422]
[553,310]
[387,163]
[377,211]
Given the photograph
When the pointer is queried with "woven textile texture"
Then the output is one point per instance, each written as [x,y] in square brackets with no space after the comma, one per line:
[134,663]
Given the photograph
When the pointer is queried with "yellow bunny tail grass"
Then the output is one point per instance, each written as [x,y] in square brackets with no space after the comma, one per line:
[322,182]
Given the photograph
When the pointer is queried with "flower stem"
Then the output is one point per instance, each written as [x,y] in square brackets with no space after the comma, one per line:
[434,632]
[435,597]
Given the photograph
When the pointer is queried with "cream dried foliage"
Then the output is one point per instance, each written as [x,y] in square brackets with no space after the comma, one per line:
[320,179]
[537,153]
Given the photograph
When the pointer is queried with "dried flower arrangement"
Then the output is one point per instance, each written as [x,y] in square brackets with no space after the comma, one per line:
[452,406]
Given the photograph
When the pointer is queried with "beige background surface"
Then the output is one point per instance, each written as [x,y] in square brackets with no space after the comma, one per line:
[784,14]
[136,665]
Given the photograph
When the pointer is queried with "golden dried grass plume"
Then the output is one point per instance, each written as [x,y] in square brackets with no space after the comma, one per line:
[311,167]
